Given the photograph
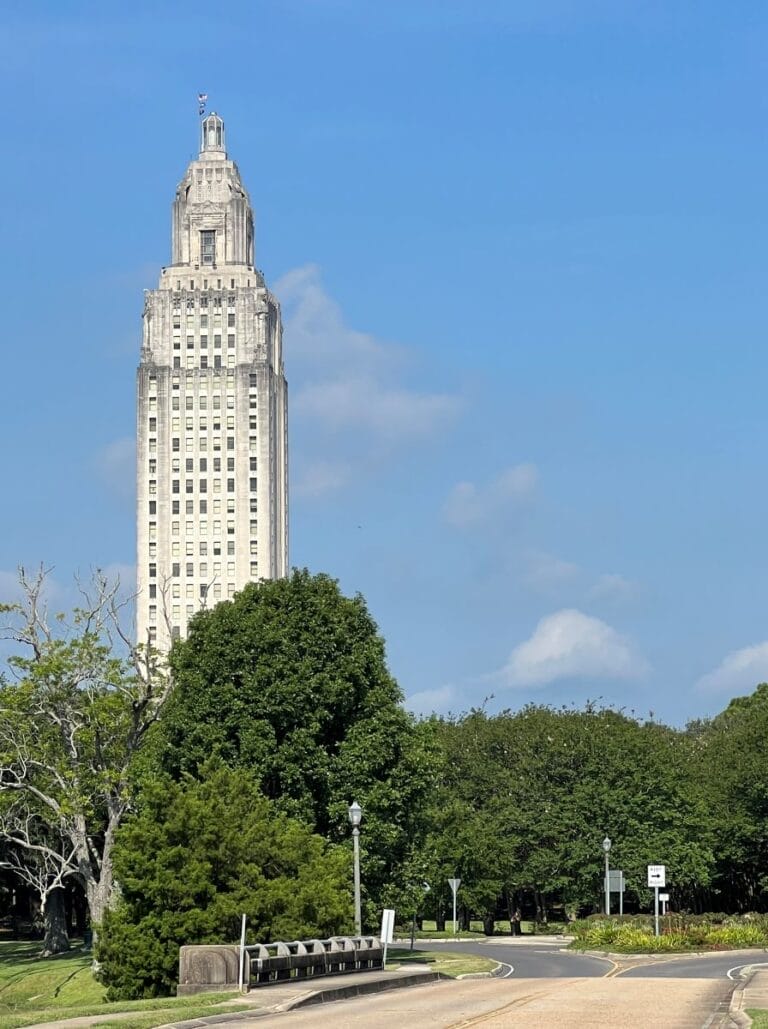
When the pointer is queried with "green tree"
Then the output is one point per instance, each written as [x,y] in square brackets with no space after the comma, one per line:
[197,855]
[731,757]
[73,715]
[289,680]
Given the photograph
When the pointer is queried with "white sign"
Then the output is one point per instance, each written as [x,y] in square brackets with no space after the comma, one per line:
[664,897]
[387,925]
[657,875]
[454,884]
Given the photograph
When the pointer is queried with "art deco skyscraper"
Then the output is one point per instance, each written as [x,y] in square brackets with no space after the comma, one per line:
[212,464]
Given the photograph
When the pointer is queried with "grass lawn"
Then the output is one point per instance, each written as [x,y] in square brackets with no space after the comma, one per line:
[759,1018]
[36,989]
[450,964]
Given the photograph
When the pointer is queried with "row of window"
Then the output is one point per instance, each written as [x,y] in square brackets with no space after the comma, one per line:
[204,341]
[203,506]
[193,287]
[202,464]
[189,568]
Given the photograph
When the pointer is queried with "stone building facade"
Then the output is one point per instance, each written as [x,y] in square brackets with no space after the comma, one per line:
[212,462]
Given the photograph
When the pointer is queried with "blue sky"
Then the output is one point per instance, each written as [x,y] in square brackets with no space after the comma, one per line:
[520,250]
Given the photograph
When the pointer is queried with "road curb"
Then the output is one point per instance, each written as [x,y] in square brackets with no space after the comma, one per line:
[359,990]
[736,1008]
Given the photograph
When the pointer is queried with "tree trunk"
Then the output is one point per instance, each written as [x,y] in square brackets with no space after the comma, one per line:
[55,940]
[489,923]
[440,918]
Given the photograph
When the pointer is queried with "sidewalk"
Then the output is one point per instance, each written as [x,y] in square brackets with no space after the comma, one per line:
[271,1000]
[753,994]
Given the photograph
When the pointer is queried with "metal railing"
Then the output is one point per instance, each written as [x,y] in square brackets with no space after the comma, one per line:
[264,963]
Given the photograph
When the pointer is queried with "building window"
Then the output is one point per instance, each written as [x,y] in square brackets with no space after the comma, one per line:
[204,342]
[231,319]
[208,247]
[217,464]
[153,424]
[203,507]
[253,463]
[254,485]
[175,444]
[189,486]
[189,507]
[231,548]
[153,571]
[203,548]
[203,485]
[174,528]
[175,486]
[231,340]
[203,360]
[152,590]
[217,342]
[190,570]
[254,568]
[230,485]
[189,464]
[217,361]
[190,549]
[230,442]
[153,507]
[203,464]
[231,506]
[175,466]
[153,486]
[152,465]
[174,507]
[177,362]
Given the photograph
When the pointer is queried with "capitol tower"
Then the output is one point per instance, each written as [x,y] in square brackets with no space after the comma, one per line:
[212,462]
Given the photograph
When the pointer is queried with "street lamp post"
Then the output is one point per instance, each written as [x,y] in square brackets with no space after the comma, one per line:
[355,815]
[607,849]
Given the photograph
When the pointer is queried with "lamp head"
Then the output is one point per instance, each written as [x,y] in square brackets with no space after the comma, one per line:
[355,814]
[606,844]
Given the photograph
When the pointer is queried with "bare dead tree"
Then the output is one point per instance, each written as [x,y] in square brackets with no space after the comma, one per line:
[81,698]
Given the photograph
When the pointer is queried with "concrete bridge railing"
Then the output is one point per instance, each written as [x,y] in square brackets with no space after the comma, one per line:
[218,967]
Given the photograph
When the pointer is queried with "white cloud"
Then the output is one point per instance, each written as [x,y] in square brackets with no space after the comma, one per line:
[468,504]
[116,463]
[740,670]
[427,701]
[318,478]
[614,587]
[569,644]
[351,402]
[546,572]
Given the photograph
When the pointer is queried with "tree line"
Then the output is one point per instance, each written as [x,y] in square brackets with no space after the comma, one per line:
[170,795]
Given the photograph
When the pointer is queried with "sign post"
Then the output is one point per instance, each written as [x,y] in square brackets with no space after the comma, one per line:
[657,878]
[241,983]
[664,898]
[387,930]
[454,884]
[616,885]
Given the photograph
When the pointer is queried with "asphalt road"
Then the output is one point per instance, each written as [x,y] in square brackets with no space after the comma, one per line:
[730,965]
[533,961]
[548,961]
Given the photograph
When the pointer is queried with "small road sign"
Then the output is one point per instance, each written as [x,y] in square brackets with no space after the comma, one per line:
[664,897]
[657,875]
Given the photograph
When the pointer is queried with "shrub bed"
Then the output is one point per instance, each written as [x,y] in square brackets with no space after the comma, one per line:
[634,934]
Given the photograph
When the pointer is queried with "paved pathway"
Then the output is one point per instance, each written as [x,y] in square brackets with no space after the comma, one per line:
[578,1003]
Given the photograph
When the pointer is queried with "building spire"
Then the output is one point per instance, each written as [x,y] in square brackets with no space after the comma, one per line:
[212,135]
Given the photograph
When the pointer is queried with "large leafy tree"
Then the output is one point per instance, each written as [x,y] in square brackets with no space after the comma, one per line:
[197,855]
[290,681]
[731,760]
[546,785]
[75,708]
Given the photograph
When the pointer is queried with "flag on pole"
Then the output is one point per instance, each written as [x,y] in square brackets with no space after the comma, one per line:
[201,99]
